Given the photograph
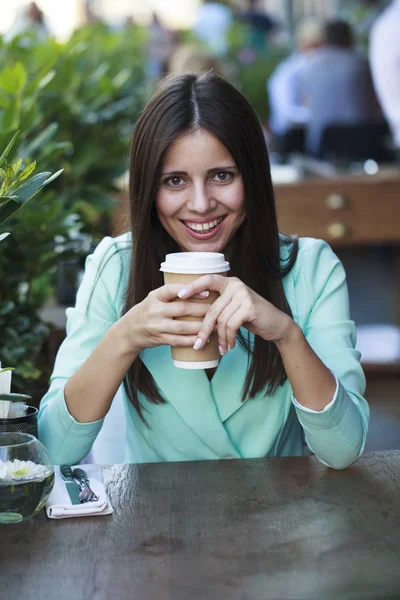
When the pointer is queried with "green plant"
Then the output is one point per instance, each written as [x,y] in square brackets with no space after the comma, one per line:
[13,194]
[82,97]
[75,105]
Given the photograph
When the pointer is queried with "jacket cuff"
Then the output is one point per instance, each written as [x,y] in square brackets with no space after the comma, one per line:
[327,407]
[333,414]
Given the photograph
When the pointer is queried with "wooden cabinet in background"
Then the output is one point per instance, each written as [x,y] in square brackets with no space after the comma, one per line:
[362,210]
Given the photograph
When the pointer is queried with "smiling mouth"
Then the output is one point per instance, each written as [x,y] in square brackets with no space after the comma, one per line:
[203,228]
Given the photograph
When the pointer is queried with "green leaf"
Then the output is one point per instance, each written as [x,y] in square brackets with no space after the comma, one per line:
[12,397]
[53,177]
[46,79]
[11,116]
[16,166]
[8,208]
[13,79]
[31,187]
[9,172]
[27,171]
[40,140]
[8,149]
[7,198]
[26,192]
[7,369]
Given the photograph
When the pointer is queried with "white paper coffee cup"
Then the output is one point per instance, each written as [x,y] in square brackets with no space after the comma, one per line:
[185,267]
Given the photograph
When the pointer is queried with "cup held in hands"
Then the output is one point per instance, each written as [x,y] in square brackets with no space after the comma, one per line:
[183,268]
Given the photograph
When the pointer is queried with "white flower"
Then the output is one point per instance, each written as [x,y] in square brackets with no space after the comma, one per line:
[3,469]
[21,470]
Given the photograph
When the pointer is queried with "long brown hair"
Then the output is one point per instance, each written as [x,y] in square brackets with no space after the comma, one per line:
[182,104]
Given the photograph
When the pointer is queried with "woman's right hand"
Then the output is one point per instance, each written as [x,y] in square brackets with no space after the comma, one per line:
[155,320]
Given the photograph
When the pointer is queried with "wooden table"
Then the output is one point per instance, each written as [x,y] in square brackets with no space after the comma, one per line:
[236,529]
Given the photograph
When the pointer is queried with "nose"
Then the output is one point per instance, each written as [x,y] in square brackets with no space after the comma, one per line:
[200,199]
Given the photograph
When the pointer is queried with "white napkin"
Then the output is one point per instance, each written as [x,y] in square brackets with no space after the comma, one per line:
[59,505]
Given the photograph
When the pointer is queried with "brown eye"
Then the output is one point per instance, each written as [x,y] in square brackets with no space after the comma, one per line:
[174,181]
[223,176]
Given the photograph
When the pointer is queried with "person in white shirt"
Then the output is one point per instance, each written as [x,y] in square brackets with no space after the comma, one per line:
[284,86]
[337,85]
[385,65]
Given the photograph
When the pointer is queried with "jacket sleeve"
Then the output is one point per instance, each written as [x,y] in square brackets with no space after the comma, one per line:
[67,440]
[336,435]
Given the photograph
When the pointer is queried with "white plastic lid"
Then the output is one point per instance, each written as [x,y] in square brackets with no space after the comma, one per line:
[195,262]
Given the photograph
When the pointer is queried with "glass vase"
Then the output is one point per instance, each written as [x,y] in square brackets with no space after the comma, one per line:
[26,476]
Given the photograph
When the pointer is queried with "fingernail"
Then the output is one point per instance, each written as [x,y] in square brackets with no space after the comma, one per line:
[204,294]
[229,348]
[182,293]
[197,344]
[221,350]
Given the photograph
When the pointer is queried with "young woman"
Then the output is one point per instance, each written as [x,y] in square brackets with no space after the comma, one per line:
[289,380]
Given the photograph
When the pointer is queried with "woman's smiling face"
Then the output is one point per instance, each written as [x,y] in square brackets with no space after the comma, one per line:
[200,198]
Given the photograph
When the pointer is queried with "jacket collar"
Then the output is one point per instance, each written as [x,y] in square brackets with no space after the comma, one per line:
[204,405]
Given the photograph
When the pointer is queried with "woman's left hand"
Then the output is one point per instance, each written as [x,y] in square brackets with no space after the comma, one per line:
[236,306]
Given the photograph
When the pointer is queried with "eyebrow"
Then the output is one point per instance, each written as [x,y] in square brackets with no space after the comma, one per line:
[213,170]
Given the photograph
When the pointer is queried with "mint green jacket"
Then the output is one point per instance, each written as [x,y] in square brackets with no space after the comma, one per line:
[205,419]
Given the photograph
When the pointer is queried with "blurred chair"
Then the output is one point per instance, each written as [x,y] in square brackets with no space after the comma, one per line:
[291,142]
[357,142]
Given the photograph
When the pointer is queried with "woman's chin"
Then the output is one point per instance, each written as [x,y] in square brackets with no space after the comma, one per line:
[199,246]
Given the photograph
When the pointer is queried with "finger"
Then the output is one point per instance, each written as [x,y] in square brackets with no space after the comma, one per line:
[210,320]
[216,283]
[185,309]
[178,327]
[179,341]
[167,292]
[232,322]
[227,336]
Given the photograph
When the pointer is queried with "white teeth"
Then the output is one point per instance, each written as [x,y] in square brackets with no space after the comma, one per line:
[203,226]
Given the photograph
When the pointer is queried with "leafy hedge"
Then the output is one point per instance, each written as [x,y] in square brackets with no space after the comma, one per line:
[75,105]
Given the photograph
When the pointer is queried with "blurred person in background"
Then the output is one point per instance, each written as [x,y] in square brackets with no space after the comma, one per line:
[284,86]
[189,58]
[260,23]
[160,45]
[30,18]
[213,21]
[337,85]
[385,66]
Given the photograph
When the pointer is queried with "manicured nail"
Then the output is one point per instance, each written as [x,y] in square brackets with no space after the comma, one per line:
[229,348]
[221,350]
[197,344]
[182,293]
[204,294]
